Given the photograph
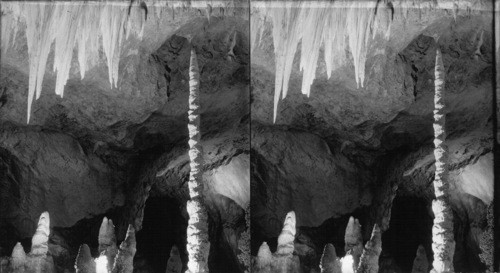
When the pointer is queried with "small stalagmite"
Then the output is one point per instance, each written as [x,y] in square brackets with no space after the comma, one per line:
[264,258]
[420,264]
[84,262]
[368,262]
[38,259]
[174,263]
[354,239]
[124,261]
[107,241]
[39,242]
[329,262]
[18,259]
[287,236]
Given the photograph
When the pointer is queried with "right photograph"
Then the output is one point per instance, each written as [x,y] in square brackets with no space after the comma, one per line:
[372,136]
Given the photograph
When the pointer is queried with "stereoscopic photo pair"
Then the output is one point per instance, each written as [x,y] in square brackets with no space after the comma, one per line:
[328,136]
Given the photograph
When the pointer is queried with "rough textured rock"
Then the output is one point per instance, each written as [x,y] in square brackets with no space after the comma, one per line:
[329,261]
[84,262]
[289,168]
[50,171]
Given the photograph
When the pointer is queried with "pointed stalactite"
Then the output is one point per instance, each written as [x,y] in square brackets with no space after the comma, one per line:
[107,241]
[124,261]
[174,263]
[443,243]
[330,263]
[287,235]
[18,259]
[84,262]
[39,242]
[354,239]
[368,263]
[198,245]
[264,259]
[420,264]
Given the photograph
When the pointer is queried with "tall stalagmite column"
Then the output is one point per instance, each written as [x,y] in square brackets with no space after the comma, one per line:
[198,245]
[443,243]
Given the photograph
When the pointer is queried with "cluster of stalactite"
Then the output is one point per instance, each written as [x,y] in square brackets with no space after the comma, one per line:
[332,26]
[91,27]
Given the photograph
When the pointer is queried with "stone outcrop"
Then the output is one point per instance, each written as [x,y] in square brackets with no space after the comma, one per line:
[292,166]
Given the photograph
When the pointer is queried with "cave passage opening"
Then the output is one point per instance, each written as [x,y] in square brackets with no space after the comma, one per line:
[163,227]
[408,230]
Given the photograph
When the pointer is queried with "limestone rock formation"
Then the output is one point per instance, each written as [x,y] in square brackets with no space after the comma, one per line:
[330,263]
[264,259]
[38,258]
[18,259]
[283,260]
[291,166]
[39,242]
[353,239]
[420,264]
[198,246]
[84,261]
[107,241]
[443,243]
[174,263]
[287,236]
[368,262]
[124,260]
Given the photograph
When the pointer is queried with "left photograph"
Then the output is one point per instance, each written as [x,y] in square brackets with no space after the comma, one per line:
[124,136]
